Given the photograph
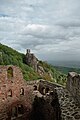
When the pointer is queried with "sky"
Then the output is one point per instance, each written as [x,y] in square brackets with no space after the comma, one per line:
[50,28]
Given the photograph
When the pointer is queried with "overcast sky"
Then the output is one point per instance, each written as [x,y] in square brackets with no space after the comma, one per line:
[50,28]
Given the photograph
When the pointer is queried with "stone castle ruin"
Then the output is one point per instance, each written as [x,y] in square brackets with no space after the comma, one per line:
[33,61]
[37,100]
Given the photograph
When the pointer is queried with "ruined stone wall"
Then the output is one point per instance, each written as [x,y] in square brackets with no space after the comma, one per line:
[73,85]
[64,105]
[21,100]
[13,93]
[43,85]
[45,104]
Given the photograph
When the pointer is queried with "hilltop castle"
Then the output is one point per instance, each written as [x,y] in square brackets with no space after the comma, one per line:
[31,60]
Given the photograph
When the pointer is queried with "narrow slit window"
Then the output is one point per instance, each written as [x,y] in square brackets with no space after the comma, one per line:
[22,91]
[10,93]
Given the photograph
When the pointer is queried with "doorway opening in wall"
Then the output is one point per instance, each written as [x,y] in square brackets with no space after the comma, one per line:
[14,113]
[17,111]
[20,110]
[47,90]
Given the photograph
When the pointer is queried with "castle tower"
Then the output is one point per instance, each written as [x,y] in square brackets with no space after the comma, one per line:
[28,51]
[31,60]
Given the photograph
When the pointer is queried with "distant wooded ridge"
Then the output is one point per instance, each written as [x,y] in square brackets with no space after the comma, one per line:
[69,64]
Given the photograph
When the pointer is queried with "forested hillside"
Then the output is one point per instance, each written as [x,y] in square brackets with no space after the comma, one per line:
[8,56]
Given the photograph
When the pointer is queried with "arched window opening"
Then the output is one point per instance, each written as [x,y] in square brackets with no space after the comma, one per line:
[21,91]
[20,109]
[47,90]
[43,91]
[14,112]
[10,93]
[10,72]
[35,87]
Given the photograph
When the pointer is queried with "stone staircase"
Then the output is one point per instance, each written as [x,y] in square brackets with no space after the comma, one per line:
[69,109]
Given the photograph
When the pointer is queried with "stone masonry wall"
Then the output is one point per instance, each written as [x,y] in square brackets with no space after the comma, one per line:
[45,104]
[13,94]
[67,108]
[73,85]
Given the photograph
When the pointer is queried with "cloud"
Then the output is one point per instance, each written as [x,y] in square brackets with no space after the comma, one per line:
[51,29]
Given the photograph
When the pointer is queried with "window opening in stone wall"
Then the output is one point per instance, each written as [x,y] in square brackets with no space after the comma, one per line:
[47,90]
[35,87]
[14,112]
[20,110]
[10,93]
[43,91]
[21,91]
[10,72]
[51,93]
